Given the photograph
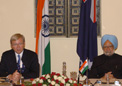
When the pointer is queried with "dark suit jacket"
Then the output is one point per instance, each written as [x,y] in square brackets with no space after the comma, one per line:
[29,59]
[103,64]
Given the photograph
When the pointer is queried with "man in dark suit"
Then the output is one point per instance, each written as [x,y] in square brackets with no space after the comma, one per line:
[19,61]
[109,64]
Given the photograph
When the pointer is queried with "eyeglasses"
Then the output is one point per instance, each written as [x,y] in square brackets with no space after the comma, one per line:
[108,46]
[17,44]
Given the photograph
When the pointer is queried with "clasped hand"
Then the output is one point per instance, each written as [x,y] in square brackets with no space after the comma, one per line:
[15,76]
[108,75]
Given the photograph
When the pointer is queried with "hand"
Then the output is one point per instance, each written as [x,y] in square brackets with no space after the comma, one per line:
[15,76]
[10,77]
[108,75]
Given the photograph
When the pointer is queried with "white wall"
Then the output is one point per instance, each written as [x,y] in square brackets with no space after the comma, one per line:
[111,16]
[17,16]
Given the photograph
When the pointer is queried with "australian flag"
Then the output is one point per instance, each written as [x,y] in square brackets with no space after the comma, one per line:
[87,36]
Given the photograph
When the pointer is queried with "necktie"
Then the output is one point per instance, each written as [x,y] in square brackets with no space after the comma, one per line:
[18,64]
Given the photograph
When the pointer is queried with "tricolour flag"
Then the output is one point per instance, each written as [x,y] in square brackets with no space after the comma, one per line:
[87,36]
[42,37]
[83,67]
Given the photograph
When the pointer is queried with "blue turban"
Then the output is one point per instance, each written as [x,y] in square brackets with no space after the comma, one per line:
[111,38]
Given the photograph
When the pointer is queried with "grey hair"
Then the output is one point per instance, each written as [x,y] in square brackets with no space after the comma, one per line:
[16,37]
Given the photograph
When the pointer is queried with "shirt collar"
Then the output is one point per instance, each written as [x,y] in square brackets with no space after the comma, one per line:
[19,54]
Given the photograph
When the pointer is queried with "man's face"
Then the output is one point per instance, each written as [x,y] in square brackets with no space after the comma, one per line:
[18,45]
[108,48]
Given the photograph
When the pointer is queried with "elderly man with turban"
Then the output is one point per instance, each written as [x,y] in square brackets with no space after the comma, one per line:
[108,64]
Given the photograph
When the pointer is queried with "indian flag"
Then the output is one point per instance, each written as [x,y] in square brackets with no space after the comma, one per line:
[84,67]
[42,37]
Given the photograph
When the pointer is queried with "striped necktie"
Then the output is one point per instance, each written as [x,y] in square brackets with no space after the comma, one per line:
[18,64]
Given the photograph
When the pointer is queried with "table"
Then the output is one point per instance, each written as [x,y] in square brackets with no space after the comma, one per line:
[3,83]
[104,83]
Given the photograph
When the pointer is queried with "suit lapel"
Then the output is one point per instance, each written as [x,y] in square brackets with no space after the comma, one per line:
[24,57]
[13,57]
[12,61]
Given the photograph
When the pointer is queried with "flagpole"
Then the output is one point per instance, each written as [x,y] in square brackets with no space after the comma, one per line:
[79,73]
[87,77]
[87,73]
[78,78]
